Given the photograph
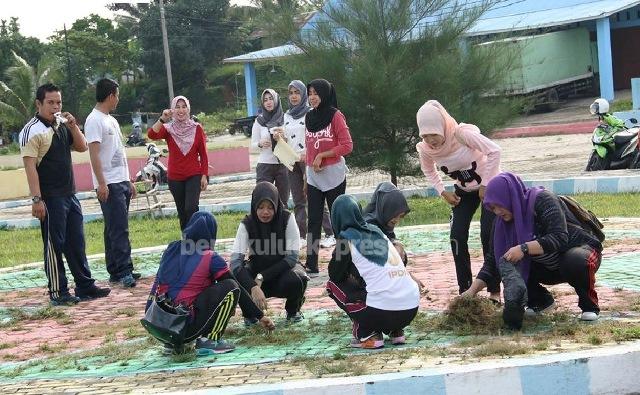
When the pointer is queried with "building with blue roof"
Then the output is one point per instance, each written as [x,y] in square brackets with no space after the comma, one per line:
[614,27]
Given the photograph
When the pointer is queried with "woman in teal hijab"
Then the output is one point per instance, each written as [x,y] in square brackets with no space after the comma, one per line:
[390,297]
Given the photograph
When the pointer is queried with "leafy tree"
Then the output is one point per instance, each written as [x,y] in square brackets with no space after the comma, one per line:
[18,93]
[386,58]
[97,47]
[280,19]
[200,36]
[28,48]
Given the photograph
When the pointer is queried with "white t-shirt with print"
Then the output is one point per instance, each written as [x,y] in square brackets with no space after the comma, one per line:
[294,129]
[104,129]
[389,287]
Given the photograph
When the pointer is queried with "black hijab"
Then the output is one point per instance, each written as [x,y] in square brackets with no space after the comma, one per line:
[319,118]
[263,253]
[386,203]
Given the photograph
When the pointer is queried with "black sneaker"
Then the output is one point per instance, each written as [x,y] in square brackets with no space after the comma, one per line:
[293,318]
[93,293]
[114,280]
[64,300]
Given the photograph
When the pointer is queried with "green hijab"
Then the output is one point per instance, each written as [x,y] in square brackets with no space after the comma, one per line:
[348,224]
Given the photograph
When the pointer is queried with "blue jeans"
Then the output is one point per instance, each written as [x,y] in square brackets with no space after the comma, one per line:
[63,233]
[117,248]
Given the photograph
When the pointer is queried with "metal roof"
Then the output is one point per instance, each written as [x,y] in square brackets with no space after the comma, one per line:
[506,16]
[513,15]
[265,54]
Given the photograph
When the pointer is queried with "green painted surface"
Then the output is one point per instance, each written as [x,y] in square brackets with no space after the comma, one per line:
[146,356]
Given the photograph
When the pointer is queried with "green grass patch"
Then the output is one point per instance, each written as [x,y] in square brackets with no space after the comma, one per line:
[128,311]
[19,315]
[257,336]
[10,149]
[7,345]
[146,231]
[500,348]
[621,105]
[143,232]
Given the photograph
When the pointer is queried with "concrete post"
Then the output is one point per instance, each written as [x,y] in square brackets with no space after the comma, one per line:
[605,61]
[635,93]
[251,88]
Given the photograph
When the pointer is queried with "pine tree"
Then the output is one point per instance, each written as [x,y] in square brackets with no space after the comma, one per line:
[386,58]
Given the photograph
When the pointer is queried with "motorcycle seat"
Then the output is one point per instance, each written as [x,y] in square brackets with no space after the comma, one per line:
[624,137]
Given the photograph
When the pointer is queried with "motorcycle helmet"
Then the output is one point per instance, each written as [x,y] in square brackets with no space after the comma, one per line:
[599,107]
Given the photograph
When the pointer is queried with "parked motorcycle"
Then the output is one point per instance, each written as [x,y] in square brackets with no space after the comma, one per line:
[154,170]
[135,139]
[614,145]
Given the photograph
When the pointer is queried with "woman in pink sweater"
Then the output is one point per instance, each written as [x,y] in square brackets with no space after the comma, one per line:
[471,160]
[327,141]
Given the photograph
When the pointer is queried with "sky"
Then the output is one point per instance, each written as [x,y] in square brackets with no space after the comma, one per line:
[41,18]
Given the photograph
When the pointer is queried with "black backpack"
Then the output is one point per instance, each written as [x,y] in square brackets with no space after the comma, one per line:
[587,219]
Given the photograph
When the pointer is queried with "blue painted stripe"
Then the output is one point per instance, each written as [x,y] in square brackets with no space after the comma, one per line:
[608,185]
[565,187]
[566,377]
[433,385]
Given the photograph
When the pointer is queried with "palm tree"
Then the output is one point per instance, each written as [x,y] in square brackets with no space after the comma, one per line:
[18,93]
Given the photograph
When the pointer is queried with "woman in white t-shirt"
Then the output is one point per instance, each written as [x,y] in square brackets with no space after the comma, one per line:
[390,299]
[266,131]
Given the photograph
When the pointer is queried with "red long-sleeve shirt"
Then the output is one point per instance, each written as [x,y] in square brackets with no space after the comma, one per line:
[335,136]
[181,167]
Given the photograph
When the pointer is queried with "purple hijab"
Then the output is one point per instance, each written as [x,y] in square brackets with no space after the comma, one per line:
[507,190]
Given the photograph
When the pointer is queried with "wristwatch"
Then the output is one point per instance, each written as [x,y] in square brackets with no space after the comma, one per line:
[36,199]
[524,248]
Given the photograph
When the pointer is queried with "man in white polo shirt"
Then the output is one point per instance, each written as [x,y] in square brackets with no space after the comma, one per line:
[111,179]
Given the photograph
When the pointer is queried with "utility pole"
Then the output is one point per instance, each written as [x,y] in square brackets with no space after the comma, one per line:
[165,45]
[74,100]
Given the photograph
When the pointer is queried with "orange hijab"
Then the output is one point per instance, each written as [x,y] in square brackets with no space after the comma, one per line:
[434,119]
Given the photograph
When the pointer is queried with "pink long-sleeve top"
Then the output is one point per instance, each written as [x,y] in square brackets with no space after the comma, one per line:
[474,163]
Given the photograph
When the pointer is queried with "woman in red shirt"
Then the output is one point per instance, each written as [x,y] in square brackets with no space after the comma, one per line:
[327,141]
[188,162]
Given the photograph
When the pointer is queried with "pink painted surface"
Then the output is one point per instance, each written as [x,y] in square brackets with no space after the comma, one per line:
[224,161]
[545,130]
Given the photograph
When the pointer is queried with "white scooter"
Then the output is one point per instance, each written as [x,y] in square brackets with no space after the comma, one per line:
[154,170]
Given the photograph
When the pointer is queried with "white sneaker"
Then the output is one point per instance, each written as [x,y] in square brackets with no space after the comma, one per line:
[303,242]
[328,241]
[589,316]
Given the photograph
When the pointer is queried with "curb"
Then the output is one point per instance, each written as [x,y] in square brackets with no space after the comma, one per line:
[163,187]
[546,130]
[597,371]
[568,186]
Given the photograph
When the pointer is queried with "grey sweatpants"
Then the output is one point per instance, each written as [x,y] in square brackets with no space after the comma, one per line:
[275,173]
